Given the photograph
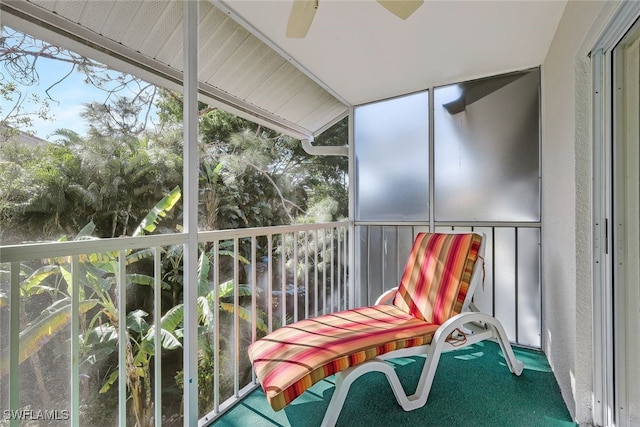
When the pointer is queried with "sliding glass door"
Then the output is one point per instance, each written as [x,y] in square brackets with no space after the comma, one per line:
[626,230]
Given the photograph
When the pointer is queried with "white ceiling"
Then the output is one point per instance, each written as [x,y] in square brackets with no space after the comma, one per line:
[362,52]
[355,52]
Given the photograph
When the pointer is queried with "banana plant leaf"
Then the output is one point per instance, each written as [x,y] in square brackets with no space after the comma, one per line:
[33,338]
[172,319]
[158,212]
[244,314]
[107,385]
[33,284]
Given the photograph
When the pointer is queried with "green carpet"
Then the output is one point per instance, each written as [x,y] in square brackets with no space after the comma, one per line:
[472,387]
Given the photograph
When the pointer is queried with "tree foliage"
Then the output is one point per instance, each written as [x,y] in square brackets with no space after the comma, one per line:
[52,190]
[249,175]
[262,177]
[253,177]
[124,178]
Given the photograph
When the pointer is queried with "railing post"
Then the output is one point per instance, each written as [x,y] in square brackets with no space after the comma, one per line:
[270,282]
[14,342]
[315,273]
[75,342]
[157,320]
[254,296]
[283,279]
[324,271]
[339,283]
[332,270]
[123,338]
[215,252]
[306,274]
[236,319]
[295,276]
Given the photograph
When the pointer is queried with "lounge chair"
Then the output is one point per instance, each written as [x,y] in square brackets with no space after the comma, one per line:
[428,313]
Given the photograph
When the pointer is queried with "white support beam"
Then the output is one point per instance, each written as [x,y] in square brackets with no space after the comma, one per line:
[190,203]
[353,300]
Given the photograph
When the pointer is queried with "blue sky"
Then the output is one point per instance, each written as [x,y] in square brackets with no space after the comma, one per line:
[66,98]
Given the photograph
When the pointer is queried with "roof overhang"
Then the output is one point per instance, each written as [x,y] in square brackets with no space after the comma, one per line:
[238,72]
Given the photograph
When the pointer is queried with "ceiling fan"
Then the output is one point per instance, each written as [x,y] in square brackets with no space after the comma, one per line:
[303,11]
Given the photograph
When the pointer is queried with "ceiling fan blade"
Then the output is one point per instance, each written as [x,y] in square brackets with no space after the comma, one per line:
[401,8]
[300,18]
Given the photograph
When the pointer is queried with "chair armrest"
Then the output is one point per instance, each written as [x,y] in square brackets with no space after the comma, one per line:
[386,297]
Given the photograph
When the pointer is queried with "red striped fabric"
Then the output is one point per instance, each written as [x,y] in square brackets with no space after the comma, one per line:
[293,358]
[434,285]
[437,276]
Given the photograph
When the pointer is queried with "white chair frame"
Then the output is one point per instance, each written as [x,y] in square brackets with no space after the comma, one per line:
[477,327]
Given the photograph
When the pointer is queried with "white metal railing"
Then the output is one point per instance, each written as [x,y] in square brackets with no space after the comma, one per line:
[67,308]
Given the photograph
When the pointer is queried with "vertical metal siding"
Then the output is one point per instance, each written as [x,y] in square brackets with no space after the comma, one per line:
[512,285]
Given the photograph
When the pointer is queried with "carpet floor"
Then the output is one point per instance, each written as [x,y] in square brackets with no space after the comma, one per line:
[472,387]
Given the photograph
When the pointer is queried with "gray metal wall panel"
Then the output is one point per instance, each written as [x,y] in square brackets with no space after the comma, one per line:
[505,279]
[511,290]
[529,293]
[483,296]
[382,253]
[361,265]
[375,286]
[390,257]
[406,236]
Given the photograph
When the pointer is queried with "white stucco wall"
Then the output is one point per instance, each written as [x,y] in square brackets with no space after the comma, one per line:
[566,203]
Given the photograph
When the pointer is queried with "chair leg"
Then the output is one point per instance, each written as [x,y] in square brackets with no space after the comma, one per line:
[515,366]
[438,346]
[345,378]
[481,322]
[417,400]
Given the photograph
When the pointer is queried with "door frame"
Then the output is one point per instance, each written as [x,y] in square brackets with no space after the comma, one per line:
[604,398]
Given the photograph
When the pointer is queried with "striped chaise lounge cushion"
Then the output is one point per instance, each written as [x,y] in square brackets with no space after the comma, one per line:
[293,358]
